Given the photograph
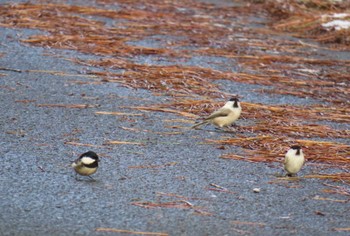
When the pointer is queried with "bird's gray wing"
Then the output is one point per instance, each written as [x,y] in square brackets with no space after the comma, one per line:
[219,113]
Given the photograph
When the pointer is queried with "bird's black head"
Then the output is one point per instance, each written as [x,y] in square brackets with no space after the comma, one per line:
[296,147]
[90,154]
[235,100]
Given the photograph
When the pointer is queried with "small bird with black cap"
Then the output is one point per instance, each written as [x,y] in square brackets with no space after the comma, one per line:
[86,164]
[225,116]
[294,160]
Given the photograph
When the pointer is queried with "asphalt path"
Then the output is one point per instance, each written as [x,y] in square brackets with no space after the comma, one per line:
[160,182]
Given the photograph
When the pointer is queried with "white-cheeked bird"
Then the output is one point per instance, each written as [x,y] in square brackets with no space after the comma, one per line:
[294,160]
[86,164]
[225,116]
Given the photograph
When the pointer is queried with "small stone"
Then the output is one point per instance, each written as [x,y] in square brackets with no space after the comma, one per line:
[256,190]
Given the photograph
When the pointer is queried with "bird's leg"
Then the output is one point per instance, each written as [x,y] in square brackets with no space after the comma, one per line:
[219,129]
[76,177]
[234,125]
[228,129]
[282,172]
[92,179]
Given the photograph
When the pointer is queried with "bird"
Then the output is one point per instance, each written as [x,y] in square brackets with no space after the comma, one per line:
[225,116]
[294,160]
[86,164]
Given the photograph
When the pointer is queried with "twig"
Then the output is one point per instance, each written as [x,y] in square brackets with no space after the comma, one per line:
[248,223]
[10,69]
[117,113]
[153,166]
[330,199]
[130,232]
[116,142]
[83,144]
[342,229]
[80,106]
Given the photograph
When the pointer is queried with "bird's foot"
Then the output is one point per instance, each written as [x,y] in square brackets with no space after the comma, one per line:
[290,175]
[77,178]
[229,129]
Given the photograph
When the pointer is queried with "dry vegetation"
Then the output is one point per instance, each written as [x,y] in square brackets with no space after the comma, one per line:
[304,18]
[289,67]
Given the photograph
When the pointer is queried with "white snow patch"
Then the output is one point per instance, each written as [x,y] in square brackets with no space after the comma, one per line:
[337,24]
[335,16]
[339,15]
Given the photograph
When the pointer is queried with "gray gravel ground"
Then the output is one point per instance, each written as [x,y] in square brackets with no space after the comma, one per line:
[40,196]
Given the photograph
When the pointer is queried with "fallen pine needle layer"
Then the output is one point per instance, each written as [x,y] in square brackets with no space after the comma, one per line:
[344,177]
[306,19]
[205,32]
[337,190]
[71,29]
[125,231]
[268,149]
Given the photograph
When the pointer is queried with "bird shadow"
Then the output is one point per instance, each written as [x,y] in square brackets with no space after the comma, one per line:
[232,129]
[85,179]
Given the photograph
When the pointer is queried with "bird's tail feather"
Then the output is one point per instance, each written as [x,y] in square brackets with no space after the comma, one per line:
[199,124]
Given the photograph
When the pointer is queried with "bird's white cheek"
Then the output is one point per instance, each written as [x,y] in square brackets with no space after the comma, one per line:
[291,152]
[87,160]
